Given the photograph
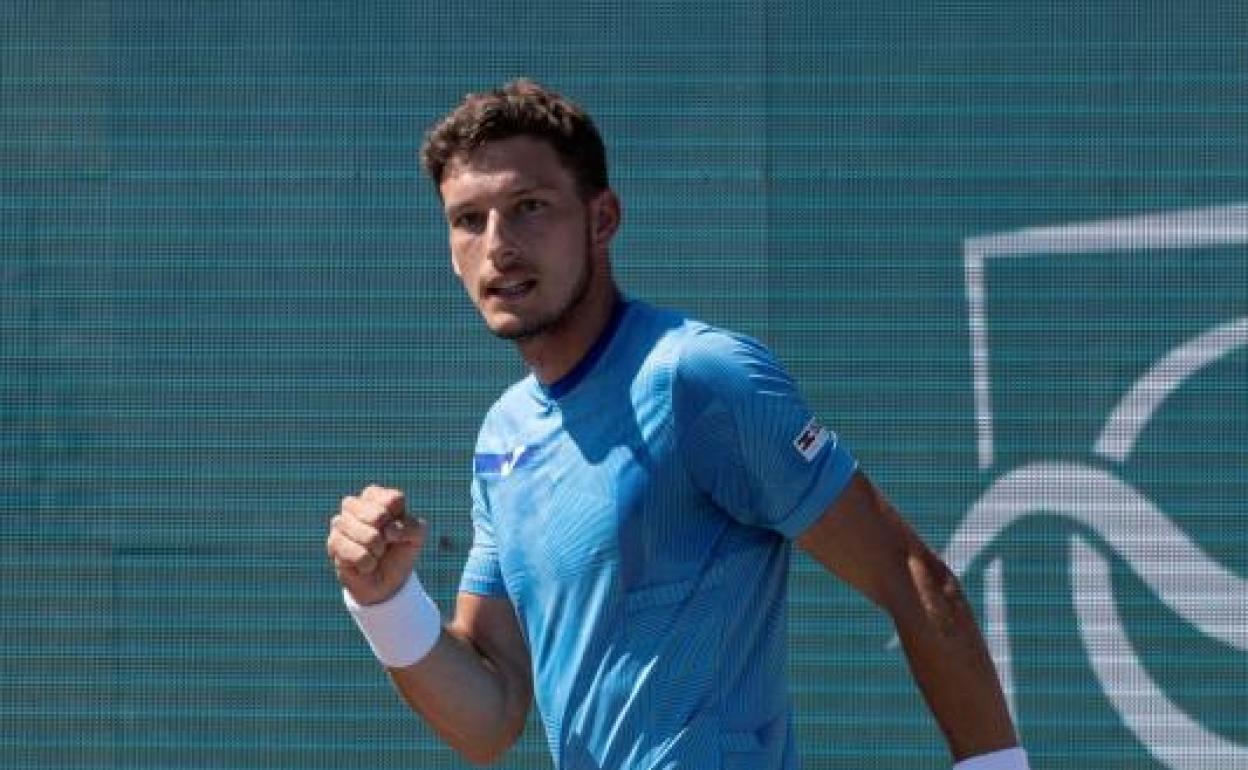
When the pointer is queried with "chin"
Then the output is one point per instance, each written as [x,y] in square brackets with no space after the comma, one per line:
[505,325]
[519,329]
[507,331]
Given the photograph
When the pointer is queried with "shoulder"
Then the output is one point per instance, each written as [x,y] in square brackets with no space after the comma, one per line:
[691,345]
[653,329]
[507,412]
[691,354]
[712,360]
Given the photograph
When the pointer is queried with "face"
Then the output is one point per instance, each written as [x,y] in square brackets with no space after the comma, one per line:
[523,242]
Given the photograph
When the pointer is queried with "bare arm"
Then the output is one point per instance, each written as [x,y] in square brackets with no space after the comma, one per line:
[474,686]
[863,539]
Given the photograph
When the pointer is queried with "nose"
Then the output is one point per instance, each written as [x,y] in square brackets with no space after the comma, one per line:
[500,244]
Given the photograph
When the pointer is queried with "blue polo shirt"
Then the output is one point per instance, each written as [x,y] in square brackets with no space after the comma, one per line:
[638,514]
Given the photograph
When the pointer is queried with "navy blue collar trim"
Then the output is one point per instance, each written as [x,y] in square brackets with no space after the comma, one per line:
[564,385]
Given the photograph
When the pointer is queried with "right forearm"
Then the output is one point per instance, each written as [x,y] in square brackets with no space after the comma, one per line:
[477,705]
[470,679]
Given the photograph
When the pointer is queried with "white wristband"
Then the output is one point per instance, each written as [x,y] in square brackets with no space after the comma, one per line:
[402,629]
[1006,759]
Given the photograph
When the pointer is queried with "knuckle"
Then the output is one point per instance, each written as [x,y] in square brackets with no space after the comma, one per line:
[339,548]
[361,510]
[383,496]
[372,540]
[379,511]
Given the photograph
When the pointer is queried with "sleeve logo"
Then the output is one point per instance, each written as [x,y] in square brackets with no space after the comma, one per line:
[811,439]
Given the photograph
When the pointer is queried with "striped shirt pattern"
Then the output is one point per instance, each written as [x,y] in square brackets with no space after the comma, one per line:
[638,514]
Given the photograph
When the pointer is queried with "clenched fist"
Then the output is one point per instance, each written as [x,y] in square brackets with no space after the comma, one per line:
[373,544]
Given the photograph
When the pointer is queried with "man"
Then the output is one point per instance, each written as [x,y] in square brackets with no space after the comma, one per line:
[634,502]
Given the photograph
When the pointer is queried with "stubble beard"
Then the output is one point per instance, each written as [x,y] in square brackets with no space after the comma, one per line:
[560,315]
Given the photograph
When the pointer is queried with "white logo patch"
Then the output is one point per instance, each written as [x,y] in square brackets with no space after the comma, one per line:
[811,439]
[509,464]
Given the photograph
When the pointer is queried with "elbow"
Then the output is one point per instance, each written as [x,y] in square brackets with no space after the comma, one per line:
[477,757]
[483,751]
[483,754]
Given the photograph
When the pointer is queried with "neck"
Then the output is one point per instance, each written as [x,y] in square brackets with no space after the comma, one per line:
[556,351]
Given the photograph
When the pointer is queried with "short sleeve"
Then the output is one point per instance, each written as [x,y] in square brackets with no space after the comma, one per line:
[748,438]
[482,574]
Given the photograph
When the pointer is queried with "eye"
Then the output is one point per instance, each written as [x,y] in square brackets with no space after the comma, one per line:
[468,220]
[531,205]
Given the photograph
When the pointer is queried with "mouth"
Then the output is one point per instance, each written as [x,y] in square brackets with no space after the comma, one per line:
[510,291]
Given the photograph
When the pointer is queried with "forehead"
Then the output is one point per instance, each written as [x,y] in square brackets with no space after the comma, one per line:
[504,165]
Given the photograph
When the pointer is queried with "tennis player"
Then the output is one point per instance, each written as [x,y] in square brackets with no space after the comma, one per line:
[634,503]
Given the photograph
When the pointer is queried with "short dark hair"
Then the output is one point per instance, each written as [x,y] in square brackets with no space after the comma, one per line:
[521,107]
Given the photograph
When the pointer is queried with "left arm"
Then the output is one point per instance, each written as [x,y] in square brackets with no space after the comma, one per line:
[863,539]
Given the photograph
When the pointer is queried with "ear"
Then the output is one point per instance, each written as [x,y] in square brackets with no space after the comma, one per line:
[605,215]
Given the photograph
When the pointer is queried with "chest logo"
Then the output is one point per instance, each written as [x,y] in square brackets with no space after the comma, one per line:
[504,463]
[510,461]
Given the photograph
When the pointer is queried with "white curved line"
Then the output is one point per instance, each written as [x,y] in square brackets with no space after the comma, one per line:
[1170,735]
[1186,228]
[1137,407]
[1196,587]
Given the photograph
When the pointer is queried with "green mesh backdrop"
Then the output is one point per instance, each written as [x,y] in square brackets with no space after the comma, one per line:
[1004,247]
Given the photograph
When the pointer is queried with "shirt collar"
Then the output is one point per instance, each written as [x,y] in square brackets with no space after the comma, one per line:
[564,385]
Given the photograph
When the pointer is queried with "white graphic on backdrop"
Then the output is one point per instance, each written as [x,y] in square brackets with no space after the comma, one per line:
[1195,586]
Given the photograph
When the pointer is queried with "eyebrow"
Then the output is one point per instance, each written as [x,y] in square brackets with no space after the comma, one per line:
[517,193]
